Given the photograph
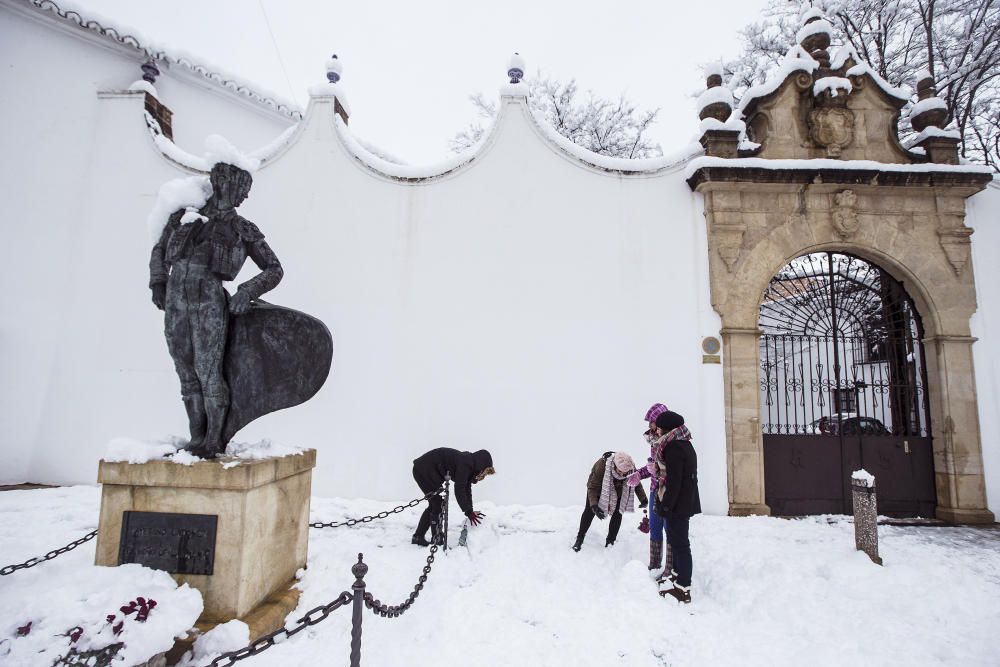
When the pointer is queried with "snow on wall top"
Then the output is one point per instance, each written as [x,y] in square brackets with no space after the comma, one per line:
[86,19]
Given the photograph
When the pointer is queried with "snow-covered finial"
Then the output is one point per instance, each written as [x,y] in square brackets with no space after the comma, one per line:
[333,69]
[815,35]
[515,68]
[713,74]
[717,100]
[150,71]
[930,110]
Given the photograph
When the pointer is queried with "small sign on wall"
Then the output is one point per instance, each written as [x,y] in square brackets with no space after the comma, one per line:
[711,346]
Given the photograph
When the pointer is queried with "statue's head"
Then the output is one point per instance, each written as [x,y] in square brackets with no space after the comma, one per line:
[230,184]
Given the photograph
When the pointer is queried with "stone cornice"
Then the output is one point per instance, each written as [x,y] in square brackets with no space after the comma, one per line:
[951,178]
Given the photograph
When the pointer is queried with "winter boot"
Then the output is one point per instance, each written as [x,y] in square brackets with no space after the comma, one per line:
[579,543]
[655,555]
[420,541]
[667,576]
[679,593]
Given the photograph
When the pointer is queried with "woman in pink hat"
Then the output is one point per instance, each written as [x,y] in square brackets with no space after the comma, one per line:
[608,494]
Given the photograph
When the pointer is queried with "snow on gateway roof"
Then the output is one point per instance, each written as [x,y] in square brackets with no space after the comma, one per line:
[84,18]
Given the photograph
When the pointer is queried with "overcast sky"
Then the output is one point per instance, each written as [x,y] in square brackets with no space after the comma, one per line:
[409,67]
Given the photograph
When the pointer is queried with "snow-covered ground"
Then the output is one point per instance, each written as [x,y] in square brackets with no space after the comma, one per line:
[766,591]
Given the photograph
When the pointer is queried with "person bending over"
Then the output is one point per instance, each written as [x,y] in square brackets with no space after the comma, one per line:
[465,469]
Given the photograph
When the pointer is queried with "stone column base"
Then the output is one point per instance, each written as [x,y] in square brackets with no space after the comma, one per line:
[745,509]
[262,529]
[952,515]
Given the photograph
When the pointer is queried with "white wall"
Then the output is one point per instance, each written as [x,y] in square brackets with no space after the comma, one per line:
[526,303]
[984,218]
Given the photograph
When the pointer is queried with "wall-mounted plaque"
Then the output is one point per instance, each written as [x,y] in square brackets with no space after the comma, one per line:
[710,345]
[175,543]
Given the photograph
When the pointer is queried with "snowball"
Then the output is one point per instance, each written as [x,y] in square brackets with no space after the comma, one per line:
[128,450]
[713,96]
[833,84]
[219,149]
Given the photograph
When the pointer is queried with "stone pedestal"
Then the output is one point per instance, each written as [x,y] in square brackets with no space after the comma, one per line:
[262,528]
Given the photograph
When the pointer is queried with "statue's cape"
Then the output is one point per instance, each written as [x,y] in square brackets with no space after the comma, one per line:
[275,358]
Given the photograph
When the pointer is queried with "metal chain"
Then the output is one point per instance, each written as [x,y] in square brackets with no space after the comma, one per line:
[394,611]
[32,562]
[312,617]
[373,517]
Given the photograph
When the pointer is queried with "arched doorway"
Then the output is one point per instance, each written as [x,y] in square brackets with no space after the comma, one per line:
[843,382]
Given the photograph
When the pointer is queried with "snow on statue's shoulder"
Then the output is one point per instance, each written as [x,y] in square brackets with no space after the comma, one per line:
[190,192]
[864,477]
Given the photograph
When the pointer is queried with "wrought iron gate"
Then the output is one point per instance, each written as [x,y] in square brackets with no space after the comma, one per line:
[843,386]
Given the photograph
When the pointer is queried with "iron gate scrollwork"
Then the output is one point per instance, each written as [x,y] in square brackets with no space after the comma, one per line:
[843,386]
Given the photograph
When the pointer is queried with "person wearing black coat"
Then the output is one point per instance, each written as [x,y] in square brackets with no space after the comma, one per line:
[464,468]
[678,498]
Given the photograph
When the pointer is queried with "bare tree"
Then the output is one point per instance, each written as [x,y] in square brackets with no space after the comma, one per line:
[957,41]
[614,127]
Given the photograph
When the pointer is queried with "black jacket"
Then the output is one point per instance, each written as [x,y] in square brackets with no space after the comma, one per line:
[680,492]
[462,466]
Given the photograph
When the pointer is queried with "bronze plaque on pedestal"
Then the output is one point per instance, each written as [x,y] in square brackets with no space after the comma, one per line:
[175,543]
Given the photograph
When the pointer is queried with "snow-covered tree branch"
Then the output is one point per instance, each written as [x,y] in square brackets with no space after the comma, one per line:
[614,127]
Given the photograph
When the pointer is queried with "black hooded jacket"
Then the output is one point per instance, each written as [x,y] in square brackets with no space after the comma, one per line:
[430,469]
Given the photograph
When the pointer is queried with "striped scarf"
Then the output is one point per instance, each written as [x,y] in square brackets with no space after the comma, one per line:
[679,433]
[609,498]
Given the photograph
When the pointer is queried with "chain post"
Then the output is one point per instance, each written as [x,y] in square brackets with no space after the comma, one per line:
[444,508]
[359,570]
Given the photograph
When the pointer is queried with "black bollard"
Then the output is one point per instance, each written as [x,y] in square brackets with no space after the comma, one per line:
[359,570]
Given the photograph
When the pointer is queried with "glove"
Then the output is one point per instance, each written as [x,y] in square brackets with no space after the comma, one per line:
[597,512]
[475,518]
[633,479]
[159,294]
[240,303]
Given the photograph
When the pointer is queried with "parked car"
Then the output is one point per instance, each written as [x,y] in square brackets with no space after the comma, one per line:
[847,424]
